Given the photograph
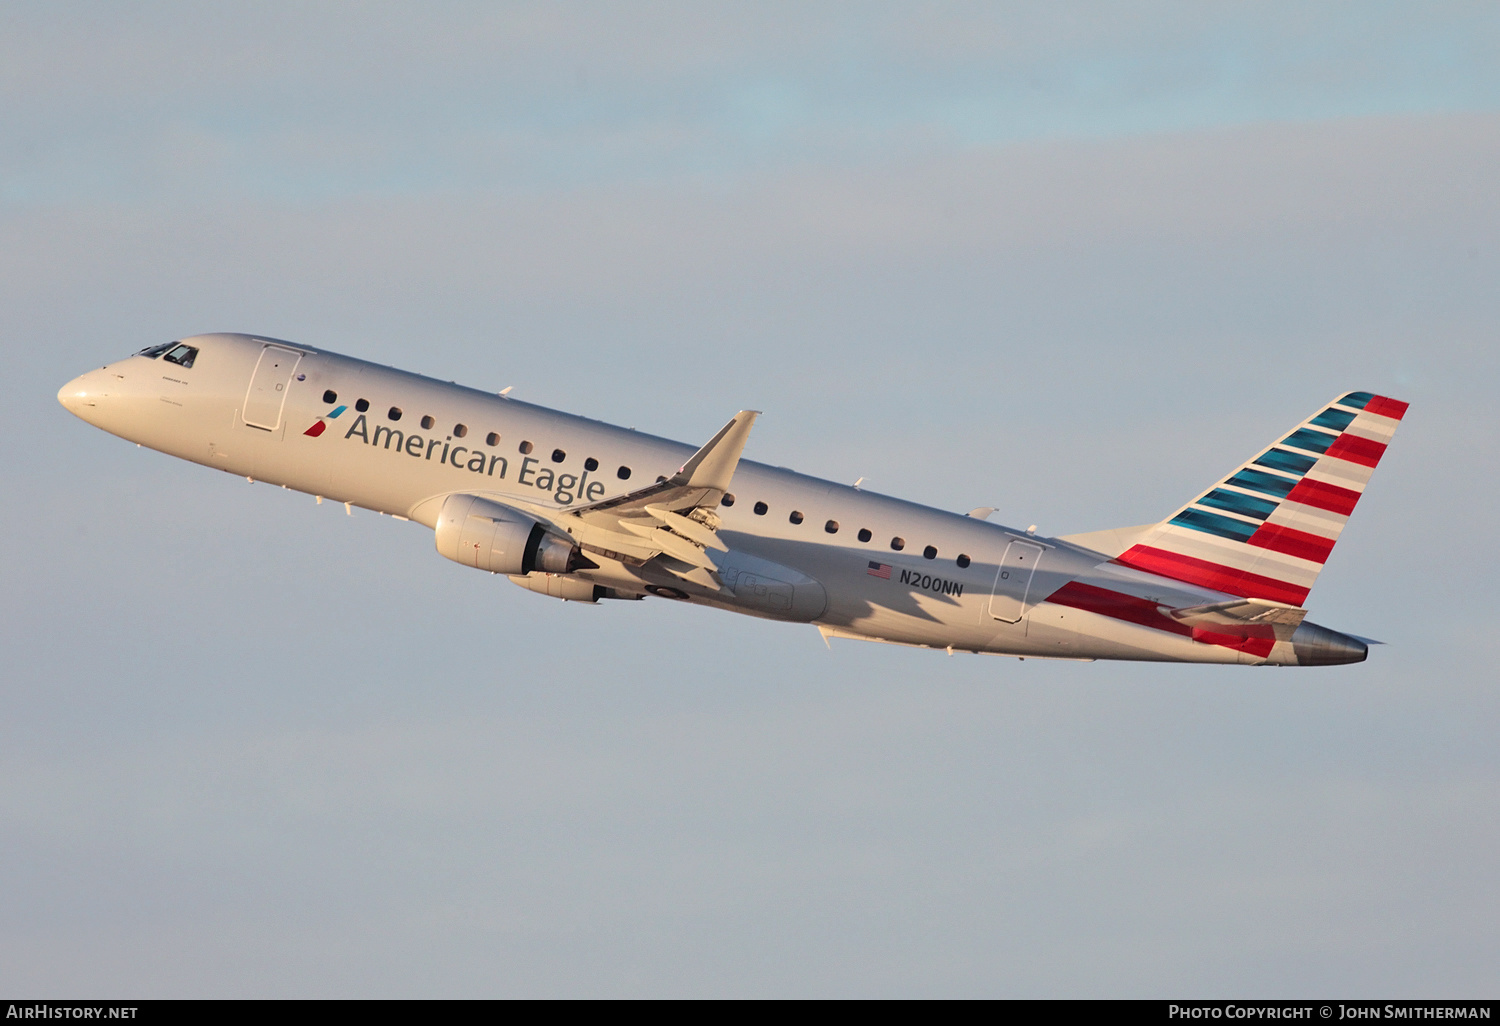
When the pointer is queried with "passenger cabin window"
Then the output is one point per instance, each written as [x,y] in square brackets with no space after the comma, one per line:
[493,438]
[591,464]
[394,413]
[962,560]
[864,534]
[459,430]
[330,397]
[427,422]
[361,405]
[796,516]
[898,544]
[832,527]
[761,508]
[183,356]
[558,455]
[727,500]
[929,553]
[525,448]
[155,351]
[623,473]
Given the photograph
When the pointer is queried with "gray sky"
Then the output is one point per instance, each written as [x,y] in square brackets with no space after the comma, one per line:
[1072,261]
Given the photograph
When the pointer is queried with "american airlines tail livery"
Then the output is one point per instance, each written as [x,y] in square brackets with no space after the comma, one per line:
[580,510]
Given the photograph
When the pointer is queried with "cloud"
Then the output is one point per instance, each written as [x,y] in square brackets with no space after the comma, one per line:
[308,102]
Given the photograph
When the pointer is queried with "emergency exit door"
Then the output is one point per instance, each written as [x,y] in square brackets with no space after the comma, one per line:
[268,387]
[1013,580]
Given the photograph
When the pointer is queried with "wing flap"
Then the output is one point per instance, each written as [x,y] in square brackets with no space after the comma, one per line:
[695,531]
[627,547]
[663,540]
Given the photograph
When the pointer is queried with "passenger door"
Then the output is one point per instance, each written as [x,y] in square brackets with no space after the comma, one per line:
[268,387]
[1013,581]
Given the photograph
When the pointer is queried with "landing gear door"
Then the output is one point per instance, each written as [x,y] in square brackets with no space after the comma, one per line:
[268,387]
[1013,580]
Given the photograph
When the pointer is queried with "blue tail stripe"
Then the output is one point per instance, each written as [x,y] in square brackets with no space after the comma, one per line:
[1291,462]
[1312,441]
[1212,523]
[1260,481]
[1332,419]
[1356,399]
[1239,502]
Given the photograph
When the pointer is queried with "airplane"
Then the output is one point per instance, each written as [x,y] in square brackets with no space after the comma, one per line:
[585,511]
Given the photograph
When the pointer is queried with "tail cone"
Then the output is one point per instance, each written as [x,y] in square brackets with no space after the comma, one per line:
[1319,646]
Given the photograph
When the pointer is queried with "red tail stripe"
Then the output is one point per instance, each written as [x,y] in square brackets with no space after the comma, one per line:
[1324,496]
[1392,408]
[1117,606]
[1292,542]
[1365,451]
[1256,646]
[1210,575]
[1257,640]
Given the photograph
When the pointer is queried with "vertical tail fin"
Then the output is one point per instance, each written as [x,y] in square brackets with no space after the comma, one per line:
[1266,529]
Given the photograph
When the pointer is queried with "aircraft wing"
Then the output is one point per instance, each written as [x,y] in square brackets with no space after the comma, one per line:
[675,516]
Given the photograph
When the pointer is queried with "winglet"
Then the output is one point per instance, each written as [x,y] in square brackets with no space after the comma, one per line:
[713,466]
[700,483]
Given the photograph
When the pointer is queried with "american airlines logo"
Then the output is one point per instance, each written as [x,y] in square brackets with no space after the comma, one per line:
[321,424]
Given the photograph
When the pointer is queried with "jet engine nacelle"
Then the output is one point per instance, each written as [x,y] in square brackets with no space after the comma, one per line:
[490,536]
[572,589]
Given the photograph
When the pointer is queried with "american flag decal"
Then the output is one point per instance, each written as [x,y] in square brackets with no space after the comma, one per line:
[881,570]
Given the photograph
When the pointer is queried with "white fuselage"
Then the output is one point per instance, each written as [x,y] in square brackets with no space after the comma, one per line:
[938,579]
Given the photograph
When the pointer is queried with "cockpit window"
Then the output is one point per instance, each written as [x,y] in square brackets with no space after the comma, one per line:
[183,356]
[155,351]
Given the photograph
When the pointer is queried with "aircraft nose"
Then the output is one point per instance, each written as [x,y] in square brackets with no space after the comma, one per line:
[81,394]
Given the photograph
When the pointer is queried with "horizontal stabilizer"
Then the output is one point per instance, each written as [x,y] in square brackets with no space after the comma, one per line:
[1251,620]
[1239,611]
